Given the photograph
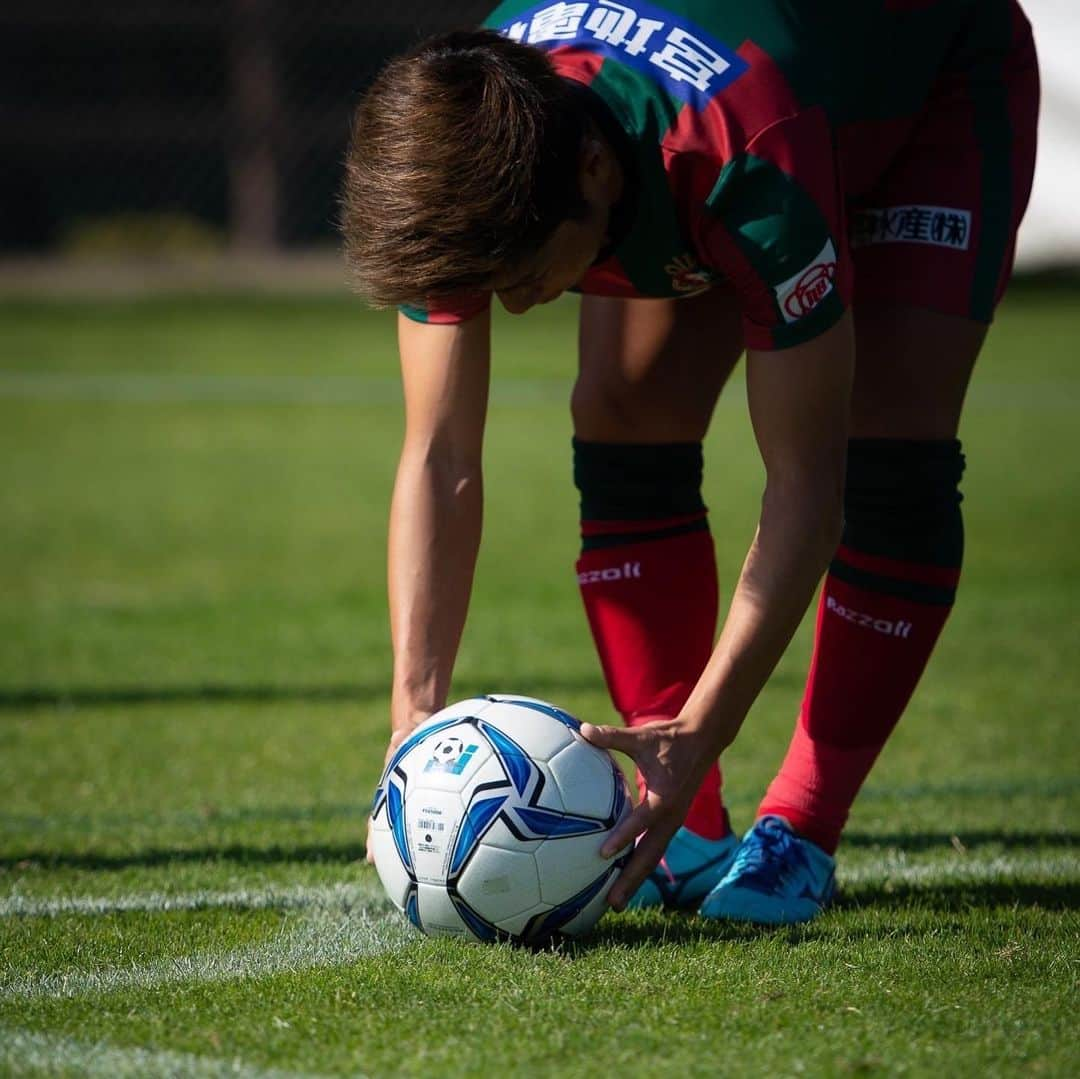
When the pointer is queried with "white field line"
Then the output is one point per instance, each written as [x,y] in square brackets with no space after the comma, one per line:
[1031,867]
[299,897]
[336,924]
[334,932]
[895,866]
[23,1052]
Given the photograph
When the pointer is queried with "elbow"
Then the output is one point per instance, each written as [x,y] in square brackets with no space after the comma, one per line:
[444,460]
[451,476]
[811,511]
[459,475]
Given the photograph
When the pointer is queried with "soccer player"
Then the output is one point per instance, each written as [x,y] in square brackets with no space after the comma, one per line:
[834,188]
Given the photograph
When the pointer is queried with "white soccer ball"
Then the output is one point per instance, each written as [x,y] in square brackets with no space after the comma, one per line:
[489,819]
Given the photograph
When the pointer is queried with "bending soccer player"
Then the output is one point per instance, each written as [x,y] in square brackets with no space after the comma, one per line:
[833,188]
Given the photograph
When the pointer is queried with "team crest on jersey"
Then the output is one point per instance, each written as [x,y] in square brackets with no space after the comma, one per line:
[692,64]
[687,276]
[802,292]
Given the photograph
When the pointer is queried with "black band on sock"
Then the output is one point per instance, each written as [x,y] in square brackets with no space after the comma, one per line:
[902,500]
[631,482]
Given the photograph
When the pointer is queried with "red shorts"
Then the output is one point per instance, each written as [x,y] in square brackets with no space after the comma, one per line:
[937,227]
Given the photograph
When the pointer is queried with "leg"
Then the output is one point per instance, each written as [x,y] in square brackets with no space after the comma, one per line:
[920,312]
[891,585]
[884,601]
[920,318]
[651,371]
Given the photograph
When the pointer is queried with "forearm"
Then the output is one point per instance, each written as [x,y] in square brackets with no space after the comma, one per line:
[435,521]
[796,536]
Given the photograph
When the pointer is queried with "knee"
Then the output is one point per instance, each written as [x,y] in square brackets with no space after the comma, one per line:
[605,409]
[902,499]
[608,407]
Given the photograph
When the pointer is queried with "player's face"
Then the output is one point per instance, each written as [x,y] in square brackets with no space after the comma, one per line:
[557,266]
[572,248]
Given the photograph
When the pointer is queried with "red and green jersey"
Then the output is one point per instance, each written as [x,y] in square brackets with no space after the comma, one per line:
[745,126]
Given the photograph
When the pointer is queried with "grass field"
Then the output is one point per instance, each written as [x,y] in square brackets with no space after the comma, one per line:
[193,698]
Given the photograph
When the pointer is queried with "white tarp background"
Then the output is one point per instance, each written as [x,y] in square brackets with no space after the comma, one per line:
[1050,234]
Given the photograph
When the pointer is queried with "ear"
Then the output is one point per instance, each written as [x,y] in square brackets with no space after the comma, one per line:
[594,166]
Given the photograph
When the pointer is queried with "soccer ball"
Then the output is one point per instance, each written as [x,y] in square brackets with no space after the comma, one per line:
[489,819]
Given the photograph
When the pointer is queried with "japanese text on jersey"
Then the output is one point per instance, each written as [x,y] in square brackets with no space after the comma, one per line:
[938,226]
[640,35]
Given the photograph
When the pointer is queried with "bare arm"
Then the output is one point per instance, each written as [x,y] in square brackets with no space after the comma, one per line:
[799,404]
[436,512]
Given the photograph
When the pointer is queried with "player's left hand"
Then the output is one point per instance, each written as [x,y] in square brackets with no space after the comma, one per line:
[673,759]
[397,736]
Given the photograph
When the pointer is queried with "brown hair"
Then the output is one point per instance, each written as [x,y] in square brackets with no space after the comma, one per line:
[464,158]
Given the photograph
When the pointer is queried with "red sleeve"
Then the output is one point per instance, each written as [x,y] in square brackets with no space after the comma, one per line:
[448,312]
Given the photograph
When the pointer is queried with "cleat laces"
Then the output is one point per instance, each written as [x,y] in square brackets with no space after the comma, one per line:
[768,862]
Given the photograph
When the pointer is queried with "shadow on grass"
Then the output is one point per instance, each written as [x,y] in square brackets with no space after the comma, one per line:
[957,896]
[889,903]
[12,700]
[237,854]
[656,930]
[94,697]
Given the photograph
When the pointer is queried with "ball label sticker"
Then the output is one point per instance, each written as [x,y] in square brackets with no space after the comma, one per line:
[451,755]
[432,825]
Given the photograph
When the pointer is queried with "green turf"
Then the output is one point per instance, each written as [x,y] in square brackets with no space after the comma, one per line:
[193,697]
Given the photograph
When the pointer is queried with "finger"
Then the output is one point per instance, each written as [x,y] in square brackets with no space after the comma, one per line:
[624,739]
[639,820]
[395,741]
[646,855]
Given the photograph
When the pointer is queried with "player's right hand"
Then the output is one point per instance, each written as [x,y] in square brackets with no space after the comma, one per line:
[673,757]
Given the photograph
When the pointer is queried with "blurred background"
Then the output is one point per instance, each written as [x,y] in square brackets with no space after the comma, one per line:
[187,130]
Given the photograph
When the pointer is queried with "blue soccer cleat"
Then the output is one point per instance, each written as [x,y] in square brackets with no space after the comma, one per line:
[691,866]
[777,878]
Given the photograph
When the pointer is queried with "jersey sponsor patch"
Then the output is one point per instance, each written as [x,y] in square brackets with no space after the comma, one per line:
[802,292]
[692,64]
[937,226]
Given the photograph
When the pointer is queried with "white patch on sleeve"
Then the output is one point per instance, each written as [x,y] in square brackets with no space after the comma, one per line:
[803,291]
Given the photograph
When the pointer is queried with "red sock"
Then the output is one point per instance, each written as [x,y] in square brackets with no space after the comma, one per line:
[652,607]
[877,623]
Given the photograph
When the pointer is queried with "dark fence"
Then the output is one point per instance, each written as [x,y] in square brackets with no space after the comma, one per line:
[227,119]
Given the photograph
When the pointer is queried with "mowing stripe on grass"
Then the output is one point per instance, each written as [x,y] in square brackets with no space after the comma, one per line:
[136,388]
[132,387]
[336,931]
[344,897]
[24,1052]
